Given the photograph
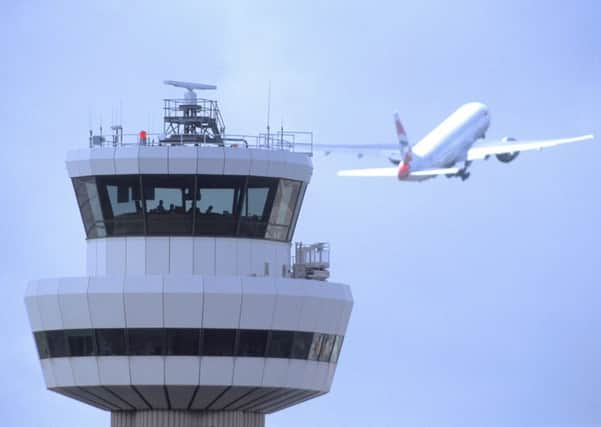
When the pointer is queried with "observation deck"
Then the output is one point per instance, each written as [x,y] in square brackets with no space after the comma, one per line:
[192,305]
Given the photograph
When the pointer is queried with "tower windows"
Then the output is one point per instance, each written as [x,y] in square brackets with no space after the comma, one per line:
[280,344]
[57,344]
[81,342]
[251,343]
[183,342]
[188,205]
[110,342]
[283,209]
[146,342]
[169,204]
[218,342]
[301,345]
[188,342]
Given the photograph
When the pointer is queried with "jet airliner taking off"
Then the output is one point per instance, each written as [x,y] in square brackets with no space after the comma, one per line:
[449,149]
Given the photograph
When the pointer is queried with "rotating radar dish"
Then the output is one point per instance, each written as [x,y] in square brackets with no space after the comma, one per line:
[190,85]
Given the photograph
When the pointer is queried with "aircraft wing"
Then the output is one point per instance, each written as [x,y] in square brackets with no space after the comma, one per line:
[379,172]
[435,172]
[357,149]
[480,152]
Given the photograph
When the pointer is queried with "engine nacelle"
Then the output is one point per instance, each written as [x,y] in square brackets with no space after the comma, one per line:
[394,159]
[507,157]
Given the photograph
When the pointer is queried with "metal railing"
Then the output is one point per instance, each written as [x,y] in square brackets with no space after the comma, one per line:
[311,261]
[297,141]
[178,113]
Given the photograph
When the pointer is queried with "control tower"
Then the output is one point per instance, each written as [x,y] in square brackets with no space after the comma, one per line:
[193,311]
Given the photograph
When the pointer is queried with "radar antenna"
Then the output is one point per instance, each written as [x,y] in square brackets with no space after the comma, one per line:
[192,120]
[191,87]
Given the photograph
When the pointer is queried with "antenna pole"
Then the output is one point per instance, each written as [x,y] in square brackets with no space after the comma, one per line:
[268,109]
[282,133]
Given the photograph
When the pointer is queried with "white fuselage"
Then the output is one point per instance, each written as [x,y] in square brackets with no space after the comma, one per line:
[450,141]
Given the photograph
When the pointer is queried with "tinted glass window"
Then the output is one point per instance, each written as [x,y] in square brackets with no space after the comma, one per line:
[41,344]
[326,348]
[81,342]
[336,349]
[121,204]
[297,208]
[280,344]
[301,345]
[218,342]
[256,206]
[316,346]
[285,200]
[57,344]
[183,342]
[146,342]
[204,205]
[252,343]
[89,206]
[217,210]
[110,342]
[169,203]
[283,209]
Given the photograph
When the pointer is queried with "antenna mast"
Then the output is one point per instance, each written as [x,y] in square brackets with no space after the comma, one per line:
[268,109]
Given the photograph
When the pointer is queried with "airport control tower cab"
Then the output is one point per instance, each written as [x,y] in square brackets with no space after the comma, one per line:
[193,311]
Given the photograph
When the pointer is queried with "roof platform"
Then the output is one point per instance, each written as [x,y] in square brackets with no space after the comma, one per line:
[198,121]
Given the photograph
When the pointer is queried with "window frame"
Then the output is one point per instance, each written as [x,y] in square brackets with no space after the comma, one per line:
[108,342]
[231,225]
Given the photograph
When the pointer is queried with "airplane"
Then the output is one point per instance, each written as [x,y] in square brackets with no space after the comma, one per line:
[451,143]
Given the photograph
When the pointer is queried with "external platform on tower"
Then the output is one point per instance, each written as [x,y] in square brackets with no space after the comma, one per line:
[193,311]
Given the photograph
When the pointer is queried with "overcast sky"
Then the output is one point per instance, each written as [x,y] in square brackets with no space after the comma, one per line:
[476,303]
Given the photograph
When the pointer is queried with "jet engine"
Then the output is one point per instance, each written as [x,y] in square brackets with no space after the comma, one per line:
[395,159]
[507,157]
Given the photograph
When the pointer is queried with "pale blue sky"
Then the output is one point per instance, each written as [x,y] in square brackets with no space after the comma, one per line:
[476,303]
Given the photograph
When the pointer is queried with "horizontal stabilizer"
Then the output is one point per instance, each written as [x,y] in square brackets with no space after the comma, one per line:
[374,172]
[359,150]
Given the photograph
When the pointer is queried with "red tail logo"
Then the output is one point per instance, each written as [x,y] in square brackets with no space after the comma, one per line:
[399,128]
[405,166]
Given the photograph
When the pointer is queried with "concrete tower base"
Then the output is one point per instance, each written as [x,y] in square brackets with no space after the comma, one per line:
[186,419]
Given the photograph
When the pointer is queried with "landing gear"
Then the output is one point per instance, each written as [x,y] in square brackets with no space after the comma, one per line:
[463,173]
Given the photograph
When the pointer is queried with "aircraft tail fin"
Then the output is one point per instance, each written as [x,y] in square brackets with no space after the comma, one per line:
[401,135]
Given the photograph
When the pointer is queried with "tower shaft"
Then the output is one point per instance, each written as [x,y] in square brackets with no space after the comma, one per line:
[186,419]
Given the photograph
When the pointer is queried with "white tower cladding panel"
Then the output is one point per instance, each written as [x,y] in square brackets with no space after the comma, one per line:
[180,341]
[188,301]
[175,160]
[187,255]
